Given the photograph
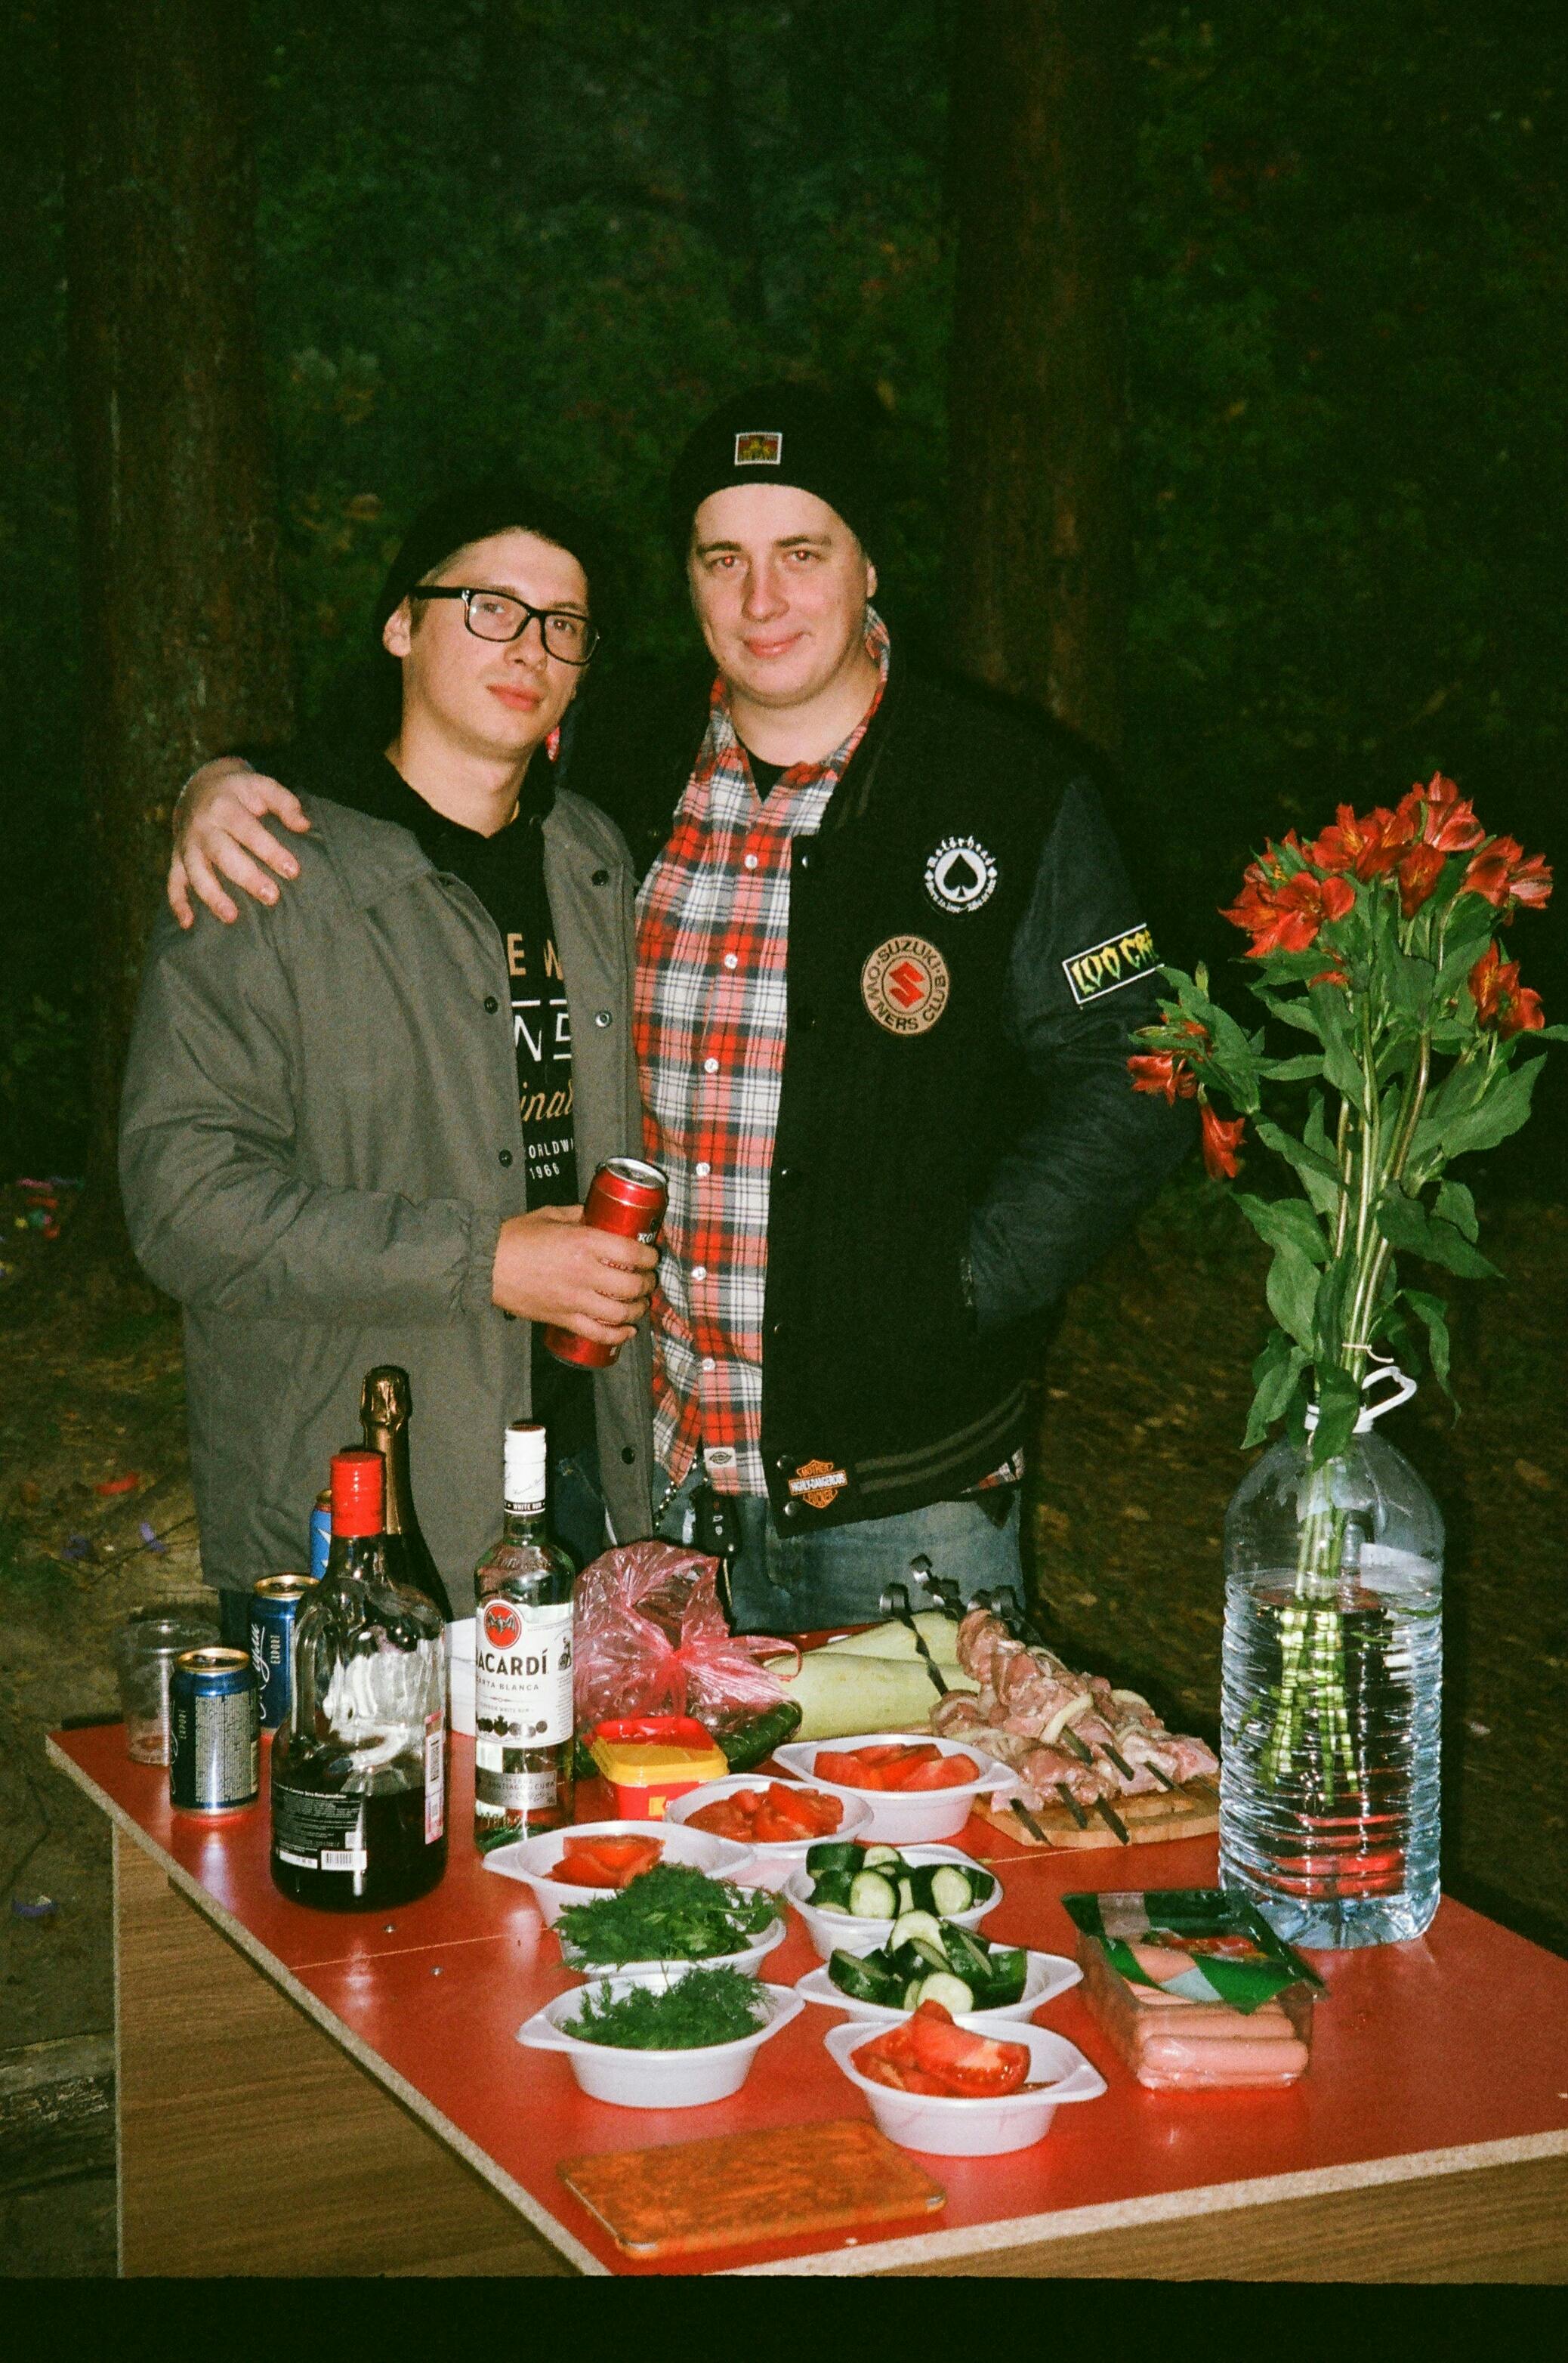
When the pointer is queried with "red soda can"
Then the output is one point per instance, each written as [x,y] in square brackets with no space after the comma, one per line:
[627,1198]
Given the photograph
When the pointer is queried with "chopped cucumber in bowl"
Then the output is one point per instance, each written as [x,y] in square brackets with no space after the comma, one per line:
[970,1977]
[846,1899]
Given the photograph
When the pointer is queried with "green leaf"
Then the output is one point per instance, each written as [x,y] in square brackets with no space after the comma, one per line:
[1408,1227]
[1294,1070]
[1338,1408]
[1275,1375]
[1292,1291]
[1341,1068]
[1474,1109]
[1319,1177]
[1297,1012]
[1335,1282]
[1433,1312]
[1455,1205]
[1284,1221]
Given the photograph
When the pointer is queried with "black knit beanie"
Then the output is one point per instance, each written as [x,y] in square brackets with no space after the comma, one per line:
[471,513]
[783,435]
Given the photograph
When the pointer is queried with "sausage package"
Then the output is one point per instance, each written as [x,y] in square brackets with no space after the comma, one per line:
[1195,1990]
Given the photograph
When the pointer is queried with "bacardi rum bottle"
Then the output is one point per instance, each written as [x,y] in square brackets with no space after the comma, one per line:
[523,1677]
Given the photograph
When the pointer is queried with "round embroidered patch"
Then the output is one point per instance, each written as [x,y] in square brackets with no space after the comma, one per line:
[961,875]
[905,984]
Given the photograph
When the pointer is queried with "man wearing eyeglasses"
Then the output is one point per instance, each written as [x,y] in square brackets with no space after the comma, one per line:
[357,1124]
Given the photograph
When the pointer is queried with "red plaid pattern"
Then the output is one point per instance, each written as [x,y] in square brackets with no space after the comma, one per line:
[713,941]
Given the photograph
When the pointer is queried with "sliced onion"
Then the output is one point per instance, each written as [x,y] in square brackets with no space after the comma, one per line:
[1070,1714]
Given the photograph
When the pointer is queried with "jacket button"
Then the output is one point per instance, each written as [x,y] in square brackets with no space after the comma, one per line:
[782,1461]
[802,859]
[791,1509]
[776,1328]
[628,1453]
[602,878]
[602,1018]
[505,1156]
[491,1004]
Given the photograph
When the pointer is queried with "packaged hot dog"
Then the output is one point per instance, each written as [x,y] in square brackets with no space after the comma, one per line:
[1195,1989]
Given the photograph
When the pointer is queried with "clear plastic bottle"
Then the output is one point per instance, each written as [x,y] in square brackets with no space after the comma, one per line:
[1331,1693]
[359,1777]
[523,1723]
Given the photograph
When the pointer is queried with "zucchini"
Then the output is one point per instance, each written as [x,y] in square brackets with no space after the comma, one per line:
[834,1854]
[873,1897]
[911,1926]
[952,1890]
[751,1743]
[865,1981]
[876,1855]
[950,1992]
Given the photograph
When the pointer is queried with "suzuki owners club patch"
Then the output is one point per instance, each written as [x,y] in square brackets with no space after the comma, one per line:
[905,984]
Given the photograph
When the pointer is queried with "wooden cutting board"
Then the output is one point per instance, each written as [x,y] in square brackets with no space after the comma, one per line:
[1189,1812]
[732,2190]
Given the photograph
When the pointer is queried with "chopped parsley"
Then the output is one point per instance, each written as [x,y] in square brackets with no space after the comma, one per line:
[703,2007]
[668,1914]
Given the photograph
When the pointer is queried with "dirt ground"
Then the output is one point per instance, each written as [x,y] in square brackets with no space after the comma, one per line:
[1142,1401]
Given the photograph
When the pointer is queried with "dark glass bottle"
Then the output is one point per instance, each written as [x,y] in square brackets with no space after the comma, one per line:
[384,1406]
[359,1776]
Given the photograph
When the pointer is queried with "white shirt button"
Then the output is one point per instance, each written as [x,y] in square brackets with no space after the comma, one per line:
[703,1170]
[751,861]
[699,1271]
[730,960]
[710,1066]
[708,1363]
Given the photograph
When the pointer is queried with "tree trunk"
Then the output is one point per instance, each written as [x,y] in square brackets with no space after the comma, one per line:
[1040,546]
[185,647]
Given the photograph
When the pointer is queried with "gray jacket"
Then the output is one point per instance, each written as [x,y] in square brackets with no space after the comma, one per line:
[319,1141]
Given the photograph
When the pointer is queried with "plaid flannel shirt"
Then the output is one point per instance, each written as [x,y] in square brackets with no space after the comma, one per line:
[711,1012]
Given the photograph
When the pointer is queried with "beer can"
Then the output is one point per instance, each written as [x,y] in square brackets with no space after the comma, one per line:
[214,1750]
[274,1604]
[320,1534]
[627,1198]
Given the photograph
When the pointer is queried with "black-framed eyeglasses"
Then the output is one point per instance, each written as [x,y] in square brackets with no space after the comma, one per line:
[497,616]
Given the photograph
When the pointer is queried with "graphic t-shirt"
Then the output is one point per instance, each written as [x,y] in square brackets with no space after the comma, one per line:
[507,874]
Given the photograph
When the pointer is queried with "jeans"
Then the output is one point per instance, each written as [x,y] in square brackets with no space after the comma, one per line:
[800,1583]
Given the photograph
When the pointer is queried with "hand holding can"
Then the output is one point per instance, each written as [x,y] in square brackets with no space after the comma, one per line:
[627,1198]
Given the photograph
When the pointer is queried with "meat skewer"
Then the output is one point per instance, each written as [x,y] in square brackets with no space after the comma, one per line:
[896,1601]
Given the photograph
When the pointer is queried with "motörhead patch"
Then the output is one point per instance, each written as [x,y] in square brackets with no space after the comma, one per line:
[1105,968]
[758,451]
[961,876]
[816,1482]
[905,984]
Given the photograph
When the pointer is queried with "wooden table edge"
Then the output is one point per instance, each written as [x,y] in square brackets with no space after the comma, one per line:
[869,2254]
[273,1970]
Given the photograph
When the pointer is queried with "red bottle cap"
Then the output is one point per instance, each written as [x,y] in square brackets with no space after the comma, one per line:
[359,1480]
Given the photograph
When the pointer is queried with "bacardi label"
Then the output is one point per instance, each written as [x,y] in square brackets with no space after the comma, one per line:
[523,1679]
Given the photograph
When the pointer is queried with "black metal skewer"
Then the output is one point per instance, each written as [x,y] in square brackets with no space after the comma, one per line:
[896,1602]
[1027,1818]
[1113,1822]
[1117,1760]
[1072,1804]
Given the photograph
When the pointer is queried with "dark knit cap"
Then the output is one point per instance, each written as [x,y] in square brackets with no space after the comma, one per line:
[499,503]
[783,435]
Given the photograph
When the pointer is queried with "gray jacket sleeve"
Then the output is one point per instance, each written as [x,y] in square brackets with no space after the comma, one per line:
[1090,1152]
[219,1211]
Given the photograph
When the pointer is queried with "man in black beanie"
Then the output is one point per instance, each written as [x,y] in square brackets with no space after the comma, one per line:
[357,1125]
[889,962]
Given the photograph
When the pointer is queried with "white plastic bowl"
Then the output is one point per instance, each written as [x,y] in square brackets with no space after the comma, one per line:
[1049,1974]
[913,1818]
[746,1962]
[831,1932]
[654,2080]
[532,1859]
[774,1860]
[974,2128]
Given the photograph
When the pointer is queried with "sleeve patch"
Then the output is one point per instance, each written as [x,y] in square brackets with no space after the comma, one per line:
[1105,968]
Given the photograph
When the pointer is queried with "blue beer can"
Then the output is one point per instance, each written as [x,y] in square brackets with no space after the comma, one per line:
[214,1748]
[320,1535]
[274,1604]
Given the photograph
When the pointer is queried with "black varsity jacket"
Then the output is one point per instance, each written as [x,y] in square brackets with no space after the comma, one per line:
[958,1140]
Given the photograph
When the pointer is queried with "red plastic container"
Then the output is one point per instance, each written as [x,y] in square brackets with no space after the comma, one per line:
[647,1759]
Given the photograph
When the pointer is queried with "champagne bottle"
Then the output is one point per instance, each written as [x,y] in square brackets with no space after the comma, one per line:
[384,1407]
[524,1724]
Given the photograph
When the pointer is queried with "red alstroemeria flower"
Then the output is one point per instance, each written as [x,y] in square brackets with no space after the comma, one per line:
[1370,844]
[1500,999]
[1221,1142]
[1420,868]
[1501,874]
[1443,817]
[1167,1070]
[1286,917]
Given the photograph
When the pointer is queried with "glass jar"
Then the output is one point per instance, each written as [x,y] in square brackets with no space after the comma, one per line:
[145,1649]
[1331,1693]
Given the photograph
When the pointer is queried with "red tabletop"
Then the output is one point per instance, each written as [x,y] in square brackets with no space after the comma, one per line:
[1452,2044]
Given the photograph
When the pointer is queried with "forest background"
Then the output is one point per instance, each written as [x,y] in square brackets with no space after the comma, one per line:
[494,228]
